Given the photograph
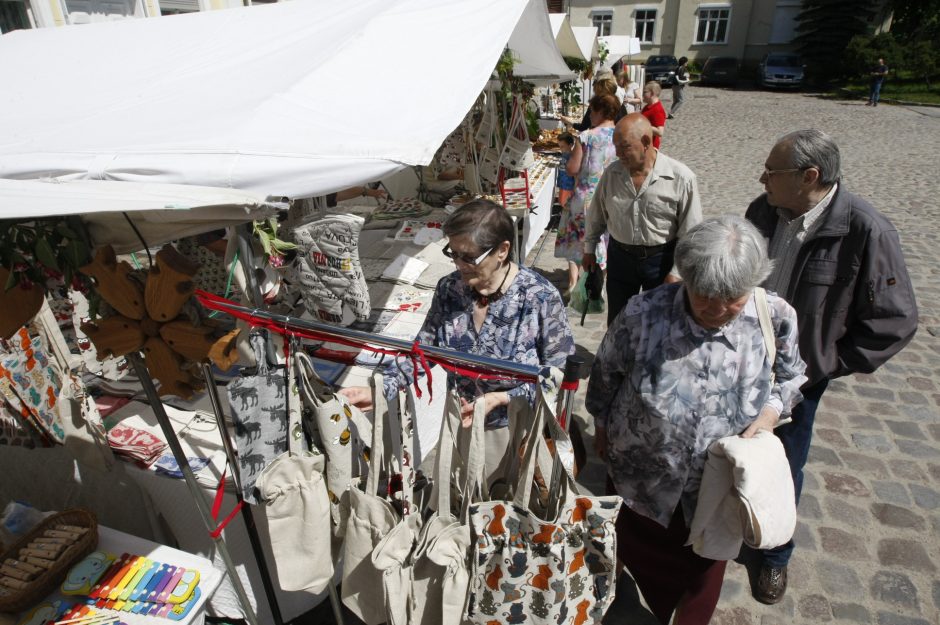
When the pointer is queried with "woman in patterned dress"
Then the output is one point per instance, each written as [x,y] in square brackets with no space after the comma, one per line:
[489,306]
[683,365]
[591,155]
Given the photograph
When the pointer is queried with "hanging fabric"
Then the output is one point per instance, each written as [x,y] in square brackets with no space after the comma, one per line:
[517,153]
[293,492]
[549,570]
[488,155]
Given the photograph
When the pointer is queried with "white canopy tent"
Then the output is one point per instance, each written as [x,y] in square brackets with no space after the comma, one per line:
[619,46]
[587,41]
[564,36]
[533,44]
[292,99]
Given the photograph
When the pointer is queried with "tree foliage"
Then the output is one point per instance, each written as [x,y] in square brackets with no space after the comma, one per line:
[825,28]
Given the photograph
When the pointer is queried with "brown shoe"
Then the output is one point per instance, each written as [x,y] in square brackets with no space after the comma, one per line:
[771,585]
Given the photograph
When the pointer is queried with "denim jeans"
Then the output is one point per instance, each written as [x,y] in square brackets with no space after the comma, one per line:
[628,273]
[796,437]
[875,92]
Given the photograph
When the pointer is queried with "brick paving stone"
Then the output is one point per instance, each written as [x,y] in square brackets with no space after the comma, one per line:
[839,580]
[913,397]
[873,442]
[918,449]
[905,428]
[896,516]
[891,492]
[810,483]
[895,588]
[839,386]
[732,616]
[907,470]
[831,437]
[843,544]
[823,455]
[921,384]
[935,591]
[934,470]
[803,536]
[920,414]
[892,618]
[850,612]
[809,508]
[925,497]
[840,404]
[934,429]
[875,392]
[845,484]
[772,619]
[862,463]
[865,422]
[730,589]
[840,510]
[816,608]
[881,409]
[904,553]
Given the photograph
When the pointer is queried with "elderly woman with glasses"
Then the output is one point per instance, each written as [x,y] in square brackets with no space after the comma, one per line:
[681,366]
[490,306]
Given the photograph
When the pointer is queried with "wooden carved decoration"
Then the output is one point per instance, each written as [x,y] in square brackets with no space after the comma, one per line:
[150,319]
[17,306]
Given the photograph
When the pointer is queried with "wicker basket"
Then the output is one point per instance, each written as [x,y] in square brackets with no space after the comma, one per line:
[41,586]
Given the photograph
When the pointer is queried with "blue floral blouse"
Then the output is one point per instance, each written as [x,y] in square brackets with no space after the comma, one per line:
[527,325]
[665,388]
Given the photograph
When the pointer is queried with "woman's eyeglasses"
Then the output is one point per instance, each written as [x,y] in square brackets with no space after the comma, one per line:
[469,260]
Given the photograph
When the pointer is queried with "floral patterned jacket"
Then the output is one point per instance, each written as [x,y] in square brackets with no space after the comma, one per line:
[527,325]
[664,388]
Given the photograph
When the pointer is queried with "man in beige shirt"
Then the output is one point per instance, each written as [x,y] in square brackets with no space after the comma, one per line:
[646,201]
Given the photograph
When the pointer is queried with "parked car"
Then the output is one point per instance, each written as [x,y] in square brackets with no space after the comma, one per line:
[720,70]
[661,68]
[781,70]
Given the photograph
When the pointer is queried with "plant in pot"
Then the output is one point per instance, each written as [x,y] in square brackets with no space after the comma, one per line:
[37,257]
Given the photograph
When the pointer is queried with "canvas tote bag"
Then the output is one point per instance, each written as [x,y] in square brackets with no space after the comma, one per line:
[293,492]
[543,571]
[517,153]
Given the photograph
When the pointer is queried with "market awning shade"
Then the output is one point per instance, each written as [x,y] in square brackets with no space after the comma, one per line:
[564,36]
[162,212]
[619,46]
[292,99]
[587,40]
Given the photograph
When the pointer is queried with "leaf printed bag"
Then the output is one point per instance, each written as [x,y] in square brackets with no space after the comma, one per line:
[543,571]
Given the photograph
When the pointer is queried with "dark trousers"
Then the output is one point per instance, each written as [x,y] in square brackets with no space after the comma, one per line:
[630,271]
[671,576]
[796,437]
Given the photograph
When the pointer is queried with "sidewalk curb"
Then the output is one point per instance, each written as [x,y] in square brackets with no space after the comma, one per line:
[850,94]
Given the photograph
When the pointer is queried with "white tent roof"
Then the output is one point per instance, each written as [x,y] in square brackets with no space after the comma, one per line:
[533,45]
[288,99]
[162,212]
[587,40]
[619,46]
[564,36]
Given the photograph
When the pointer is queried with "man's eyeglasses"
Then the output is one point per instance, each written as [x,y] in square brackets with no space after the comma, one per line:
[770,172]
[469,260]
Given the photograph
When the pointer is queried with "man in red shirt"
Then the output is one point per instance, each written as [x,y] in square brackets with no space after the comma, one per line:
[654,111]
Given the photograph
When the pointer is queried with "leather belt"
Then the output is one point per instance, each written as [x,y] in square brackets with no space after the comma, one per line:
[643,251]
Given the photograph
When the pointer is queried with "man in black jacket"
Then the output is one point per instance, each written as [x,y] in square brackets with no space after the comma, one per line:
[838,262]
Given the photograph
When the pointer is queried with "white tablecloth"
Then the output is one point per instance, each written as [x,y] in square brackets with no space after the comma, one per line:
[538,217]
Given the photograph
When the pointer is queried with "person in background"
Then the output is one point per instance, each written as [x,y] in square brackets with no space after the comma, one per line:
[646,201]
[489,306]
[678,88]
[604,84]
[684,365]
[593,152]
[633,96]
[654,111]
[838,262]
[878,74]
[566,143]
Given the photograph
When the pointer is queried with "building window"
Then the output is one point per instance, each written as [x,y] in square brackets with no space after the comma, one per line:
[713,25]
[644,25]
[602,21]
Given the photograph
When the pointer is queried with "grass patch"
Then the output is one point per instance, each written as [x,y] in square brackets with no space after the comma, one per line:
[906,89]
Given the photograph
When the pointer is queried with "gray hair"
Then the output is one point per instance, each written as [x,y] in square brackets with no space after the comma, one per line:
[814,148]
[723,257]
[487,223]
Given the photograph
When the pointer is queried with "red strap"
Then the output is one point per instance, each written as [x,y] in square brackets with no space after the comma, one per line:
[231,515]
[569,386]
[217,507]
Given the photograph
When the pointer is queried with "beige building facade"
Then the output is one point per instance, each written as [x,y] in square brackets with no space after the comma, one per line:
[18,14]
[698,29]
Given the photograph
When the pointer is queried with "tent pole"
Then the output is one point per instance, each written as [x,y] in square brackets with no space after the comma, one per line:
[150,390]
[246,512]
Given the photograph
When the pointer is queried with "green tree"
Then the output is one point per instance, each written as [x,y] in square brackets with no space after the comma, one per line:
[824,30]
[863,51]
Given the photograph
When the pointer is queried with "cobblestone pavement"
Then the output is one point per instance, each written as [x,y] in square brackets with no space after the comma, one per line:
[868,534]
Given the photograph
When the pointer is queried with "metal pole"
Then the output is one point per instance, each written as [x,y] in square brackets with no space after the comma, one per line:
[147,382]
[246,513]
[565,403]
[337,332]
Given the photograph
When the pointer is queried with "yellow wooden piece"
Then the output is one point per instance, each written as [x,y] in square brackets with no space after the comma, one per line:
[223,352]
[113,283]
[17,306]
[191,342]
[167,366]
[114,336]
[169,284]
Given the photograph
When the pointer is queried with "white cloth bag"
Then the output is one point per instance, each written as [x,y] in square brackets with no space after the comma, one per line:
[293,493]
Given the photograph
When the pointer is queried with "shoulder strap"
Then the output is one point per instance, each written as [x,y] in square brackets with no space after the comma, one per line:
[766,327]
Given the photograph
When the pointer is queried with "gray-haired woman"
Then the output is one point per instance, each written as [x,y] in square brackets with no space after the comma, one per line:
[683,365]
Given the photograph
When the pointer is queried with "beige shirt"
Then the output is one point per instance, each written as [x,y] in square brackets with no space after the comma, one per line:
[663,209]
[788,238]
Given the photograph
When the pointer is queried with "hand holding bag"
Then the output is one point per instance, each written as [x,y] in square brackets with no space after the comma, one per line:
[293,492]
[548,571]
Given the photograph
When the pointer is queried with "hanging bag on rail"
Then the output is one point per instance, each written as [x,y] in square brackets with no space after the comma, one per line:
[548,571]
[342,430]
[517,153]
[293,492]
